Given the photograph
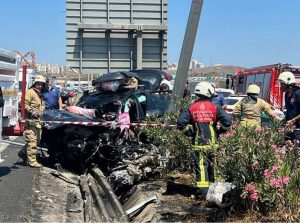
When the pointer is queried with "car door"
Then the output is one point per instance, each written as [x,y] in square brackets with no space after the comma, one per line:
[133,106]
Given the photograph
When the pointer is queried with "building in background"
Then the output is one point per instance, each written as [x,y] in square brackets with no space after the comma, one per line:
[50,70]
[106,36]
[194,64]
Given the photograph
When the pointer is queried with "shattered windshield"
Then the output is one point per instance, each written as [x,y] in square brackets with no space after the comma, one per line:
[158,104]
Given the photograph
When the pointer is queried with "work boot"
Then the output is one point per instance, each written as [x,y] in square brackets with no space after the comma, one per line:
[199,196]
[22,154]
[35,164]
[32,162]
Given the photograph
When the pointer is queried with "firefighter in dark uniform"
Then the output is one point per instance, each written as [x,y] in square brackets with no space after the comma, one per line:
[292,101]
[199,121]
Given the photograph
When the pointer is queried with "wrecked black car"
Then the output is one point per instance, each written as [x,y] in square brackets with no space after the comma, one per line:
[113,144]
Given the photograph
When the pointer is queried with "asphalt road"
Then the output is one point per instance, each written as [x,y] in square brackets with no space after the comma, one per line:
[16,182]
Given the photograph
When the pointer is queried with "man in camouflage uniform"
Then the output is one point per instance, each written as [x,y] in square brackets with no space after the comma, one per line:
[34,108]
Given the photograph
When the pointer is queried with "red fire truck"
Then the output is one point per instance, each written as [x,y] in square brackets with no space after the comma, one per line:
[266,77]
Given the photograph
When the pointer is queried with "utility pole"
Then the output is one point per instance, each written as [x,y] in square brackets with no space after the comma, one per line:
[186,50]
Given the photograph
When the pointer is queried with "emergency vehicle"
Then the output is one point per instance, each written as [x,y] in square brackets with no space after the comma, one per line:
[266,77]
[9,82]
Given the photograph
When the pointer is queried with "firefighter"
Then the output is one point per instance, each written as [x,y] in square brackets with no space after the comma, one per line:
[199,121]
[250,108]
[292,101]
[34,108]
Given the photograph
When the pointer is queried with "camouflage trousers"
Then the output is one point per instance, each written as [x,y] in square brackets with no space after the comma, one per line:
[32,136]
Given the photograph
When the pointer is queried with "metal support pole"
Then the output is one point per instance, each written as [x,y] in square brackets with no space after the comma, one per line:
[186,50]
[161,11]
[161,35]
[131,49]
[108,11]
[108,51]
[80,62]
[139,49]
[131,11]
[81,9]
[24,83]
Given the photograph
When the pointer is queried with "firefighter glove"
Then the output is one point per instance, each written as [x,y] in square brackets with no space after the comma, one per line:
[35,115]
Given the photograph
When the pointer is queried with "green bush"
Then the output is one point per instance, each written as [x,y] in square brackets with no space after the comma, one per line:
[260,162]
[174,147]
[263,166]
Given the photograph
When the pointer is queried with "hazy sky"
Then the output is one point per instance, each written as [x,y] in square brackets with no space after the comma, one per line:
[231,32]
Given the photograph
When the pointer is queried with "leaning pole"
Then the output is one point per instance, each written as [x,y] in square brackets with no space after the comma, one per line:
[186,51]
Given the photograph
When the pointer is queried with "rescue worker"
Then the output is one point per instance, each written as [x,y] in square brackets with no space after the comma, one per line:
[250,108]
[292,101]
[199,121]
[34,108]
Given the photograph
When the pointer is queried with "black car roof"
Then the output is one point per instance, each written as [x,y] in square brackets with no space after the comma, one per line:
[120,75]
[149,79]
[97,99]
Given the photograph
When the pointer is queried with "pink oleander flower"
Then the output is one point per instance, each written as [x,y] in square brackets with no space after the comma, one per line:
[254,165]
[273,182]
[285,179]
[276,182]
[267,174]
[250,188]
[254,197]
[275,168]
[279,150]
[273,146]
[228,134]
[258,129]
[280,161]
[257,144]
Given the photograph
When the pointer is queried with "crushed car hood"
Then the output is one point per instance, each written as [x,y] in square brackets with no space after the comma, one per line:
[56,115]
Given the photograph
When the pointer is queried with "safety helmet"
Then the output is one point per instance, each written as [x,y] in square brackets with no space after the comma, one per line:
[39,78]
[287,77]
[253,89]
[205,89]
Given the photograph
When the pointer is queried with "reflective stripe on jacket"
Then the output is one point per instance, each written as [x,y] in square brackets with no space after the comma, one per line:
[199,121]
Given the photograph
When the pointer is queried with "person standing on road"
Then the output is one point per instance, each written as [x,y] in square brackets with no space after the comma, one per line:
[34,108]
[250,108]
[292,101]
[199,121]
[52,96]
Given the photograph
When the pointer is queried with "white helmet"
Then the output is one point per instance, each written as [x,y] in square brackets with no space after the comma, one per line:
[205,89]
[253,89]
[287,77]
[39,78]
